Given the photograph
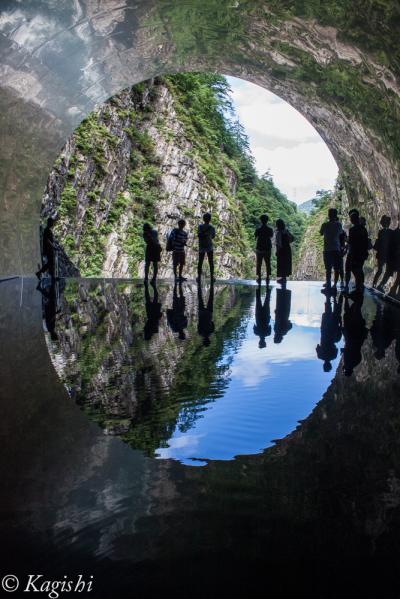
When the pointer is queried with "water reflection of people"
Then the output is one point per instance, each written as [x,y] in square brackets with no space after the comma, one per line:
[282,313]
[50,305]
[355,332]
[262,327]
[331,332]
[205,326]
[153,312]
[382,331]
[176,317]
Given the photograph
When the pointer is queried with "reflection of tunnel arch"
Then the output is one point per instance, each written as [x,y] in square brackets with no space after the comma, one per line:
[60,59]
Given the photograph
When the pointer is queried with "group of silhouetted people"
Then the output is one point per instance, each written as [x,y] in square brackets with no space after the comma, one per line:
[345,253]
[176,244]
[178,238]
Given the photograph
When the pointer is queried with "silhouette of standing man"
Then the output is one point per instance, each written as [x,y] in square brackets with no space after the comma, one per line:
[262,327]
[48,249]
[263,235]
[357,253]
[283,240]
[206,234]
[332,231]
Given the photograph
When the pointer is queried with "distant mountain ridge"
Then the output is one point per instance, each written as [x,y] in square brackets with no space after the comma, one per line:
[307,206]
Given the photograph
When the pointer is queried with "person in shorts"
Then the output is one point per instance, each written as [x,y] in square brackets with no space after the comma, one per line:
[179,239]
[332,231]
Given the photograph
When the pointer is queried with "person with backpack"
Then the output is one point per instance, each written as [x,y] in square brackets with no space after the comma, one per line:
[152,253]
[176,244]
[206,234]
[263,235]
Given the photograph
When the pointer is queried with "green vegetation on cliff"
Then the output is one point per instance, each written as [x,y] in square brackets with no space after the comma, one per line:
[101,198]
[210,122]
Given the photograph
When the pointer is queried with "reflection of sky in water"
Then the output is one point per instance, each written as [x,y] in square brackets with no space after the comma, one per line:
[269,390]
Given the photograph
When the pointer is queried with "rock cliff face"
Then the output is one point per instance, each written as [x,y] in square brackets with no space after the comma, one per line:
[132,161]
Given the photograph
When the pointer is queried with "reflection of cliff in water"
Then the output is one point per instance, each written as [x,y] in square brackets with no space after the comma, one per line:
[141,389]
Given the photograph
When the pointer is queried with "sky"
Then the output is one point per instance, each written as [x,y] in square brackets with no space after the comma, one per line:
[283,142]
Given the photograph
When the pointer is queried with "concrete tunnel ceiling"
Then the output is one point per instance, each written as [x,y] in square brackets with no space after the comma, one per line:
[336,61]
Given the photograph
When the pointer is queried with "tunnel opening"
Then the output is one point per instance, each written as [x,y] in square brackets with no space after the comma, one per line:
[173,148]
[273,520]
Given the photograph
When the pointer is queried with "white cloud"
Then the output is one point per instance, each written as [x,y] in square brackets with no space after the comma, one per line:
[283,142]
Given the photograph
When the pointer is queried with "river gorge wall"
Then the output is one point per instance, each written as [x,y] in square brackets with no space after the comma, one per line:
[133,161]
[160,151]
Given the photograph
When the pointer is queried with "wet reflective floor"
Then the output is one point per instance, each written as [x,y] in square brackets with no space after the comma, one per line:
[124,408]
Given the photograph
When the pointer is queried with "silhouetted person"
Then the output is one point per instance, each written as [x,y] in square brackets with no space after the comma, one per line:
[357,253]
[343,252]
[153,251]
[332,231]
[397,336]
[393,264]
[331,333]
[178,240]
[283,240]
[48,250]
[206,234]
[205,326]
[382,330]
[282,323]
[50,296]
[176,317]
[355,332]
[263,235]
[153,312]
[262,327]
[381,247]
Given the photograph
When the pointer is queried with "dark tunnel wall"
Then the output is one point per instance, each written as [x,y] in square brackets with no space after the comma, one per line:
[336,62]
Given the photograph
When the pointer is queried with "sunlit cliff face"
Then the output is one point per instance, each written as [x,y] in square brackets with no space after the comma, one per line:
[59,59]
